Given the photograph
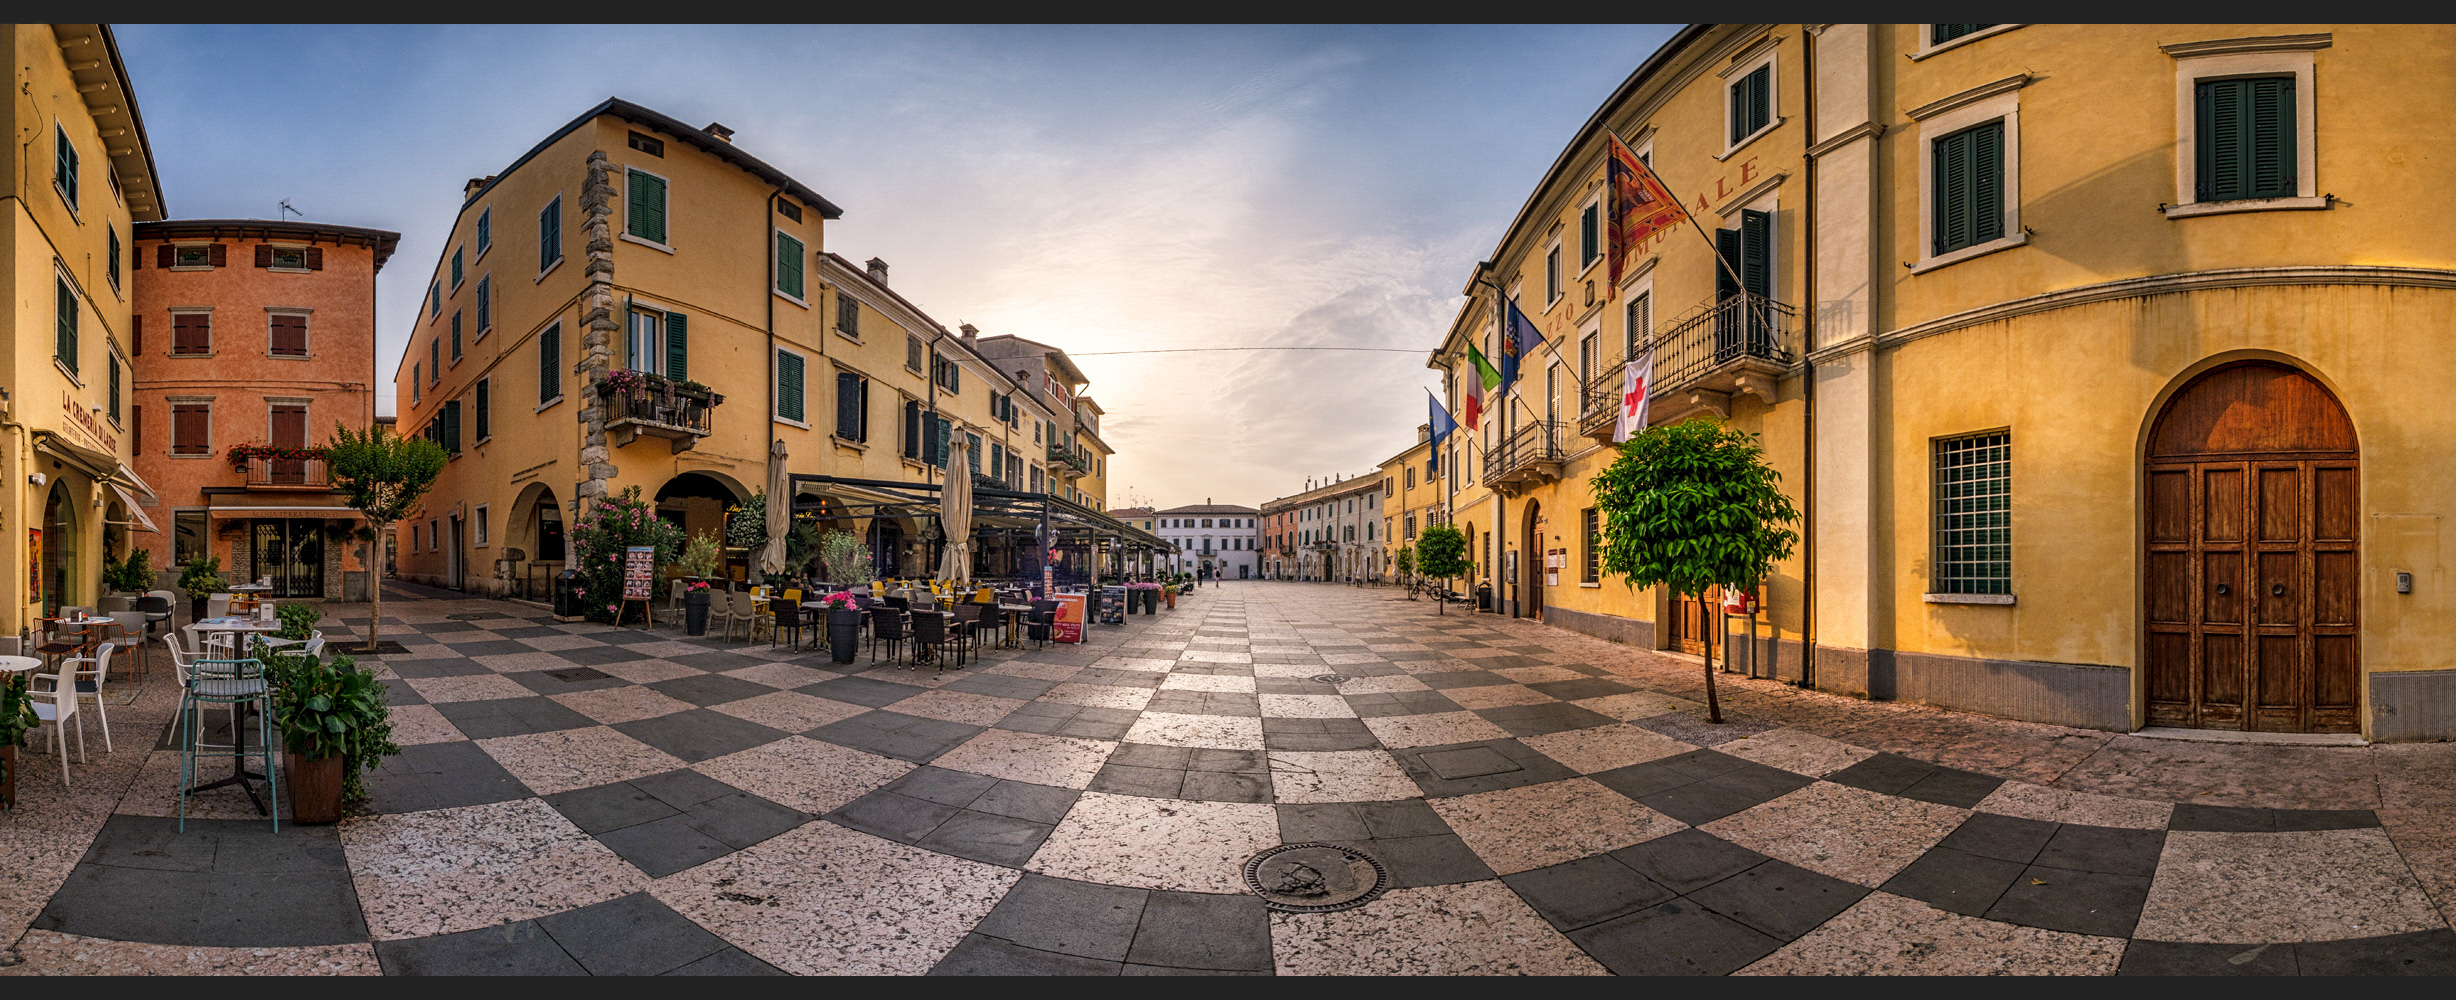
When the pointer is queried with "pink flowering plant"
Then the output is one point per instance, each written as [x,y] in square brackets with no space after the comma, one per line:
[839,599]
[602,535]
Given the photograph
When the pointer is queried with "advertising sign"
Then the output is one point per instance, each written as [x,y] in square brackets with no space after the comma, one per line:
[639,571]
[1069,627]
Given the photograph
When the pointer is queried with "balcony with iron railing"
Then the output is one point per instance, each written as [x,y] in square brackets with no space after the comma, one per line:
[1072,460]
[1525,457]
[286,474]
[638,404]
[1738,344]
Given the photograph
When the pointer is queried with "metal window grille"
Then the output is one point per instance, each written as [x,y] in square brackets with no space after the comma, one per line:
[1974,532]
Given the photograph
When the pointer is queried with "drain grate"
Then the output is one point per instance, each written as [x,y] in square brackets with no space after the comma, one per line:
[577,674]
[1315,878]
[1332,678]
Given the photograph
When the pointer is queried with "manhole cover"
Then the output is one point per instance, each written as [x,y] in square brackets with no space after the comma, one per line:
[578,674]
[1332,678]
[1315,878]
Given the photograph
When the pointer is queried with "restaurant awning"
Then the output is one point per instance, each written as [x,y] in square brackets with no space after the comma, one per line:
[993,509]
[140,522]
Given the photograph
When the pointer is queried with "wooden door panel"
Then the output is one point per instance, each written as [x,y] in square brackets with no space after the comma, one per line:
[2170,669]
[2170,587]
[2221,588]
[2280,586]
[2170,506]
[2333,511]
[2221,507]
[2334,680]
[2279,666]
[2334,587]
[2221,673]
[2281,504]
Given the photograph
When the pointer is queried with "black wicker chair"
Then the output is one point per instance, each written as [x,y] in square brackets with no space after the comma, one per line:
[887,626]
[789,617]
[1042,621]
[930,634]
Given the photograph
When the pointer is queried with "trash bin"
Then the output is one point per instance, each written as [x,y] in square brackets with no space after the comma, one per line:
[1483,597]
[567,599]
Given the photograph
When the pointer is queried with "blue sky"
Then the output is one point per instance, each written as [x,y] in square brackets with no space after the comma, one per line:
[1101,189]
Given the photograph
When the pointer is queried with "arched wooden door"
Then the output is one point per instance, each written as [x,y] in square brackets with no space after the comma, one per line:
[2252,568]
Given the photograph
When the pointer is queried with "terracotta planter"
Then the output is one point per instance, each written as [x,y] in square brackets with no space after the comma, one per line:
[8,785]
[315,788]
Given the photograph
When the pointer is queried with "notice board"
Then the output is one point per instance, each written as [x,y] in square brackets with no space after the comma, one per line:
[1069,625]
[639,572]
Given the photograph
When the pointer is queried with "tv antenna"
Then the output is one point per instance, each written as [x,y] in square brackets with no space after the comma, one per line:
[287,211]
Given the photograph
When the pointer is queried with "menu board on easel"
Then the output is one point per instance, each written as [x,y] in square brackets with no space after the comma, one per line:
[639,573]
[1069,624]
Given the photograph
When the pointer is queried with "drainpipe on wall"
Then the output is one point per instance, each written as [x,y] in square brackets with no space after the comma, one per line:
[767,292]
[1807,418]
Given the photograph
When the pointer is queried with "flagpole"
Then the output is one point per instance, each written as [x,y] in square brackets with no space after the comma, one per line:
[1688,215]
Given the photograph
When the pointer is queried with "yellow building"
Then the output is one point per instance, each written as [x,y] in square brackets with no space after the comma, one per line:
[2096,381]
[645,350]
[84,175]
[1412,499]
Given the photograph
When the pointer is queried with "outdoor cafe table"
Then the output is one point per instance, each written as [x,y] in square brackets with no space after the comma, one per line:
[229,626]
[239,774]
[84,642]
[1014,625]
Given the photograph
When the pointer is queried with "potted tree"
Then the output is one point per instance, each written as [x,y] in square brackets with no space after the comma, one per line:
[382,477]
[1441,553]
[335,724]
[202,579]
[700,561]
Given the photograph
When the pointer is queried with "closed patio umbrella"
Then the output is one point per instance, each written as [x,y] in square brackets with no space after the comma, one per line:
[779,510]
[955,515]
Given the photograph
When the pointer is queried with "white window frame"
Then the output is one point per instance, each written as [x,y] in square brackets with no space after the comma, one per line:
[2189,71]
[213,341]
[1928,46]
[631,353]
[625,228]
[302,312]
[2005,106]
[479,526]
[302,267]
[207,247]
[1631,345]
[1731,76]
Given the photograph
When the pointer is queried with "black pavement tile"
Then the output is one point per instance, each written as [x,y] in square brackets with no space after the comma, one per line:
[492,647]
[730,961]
[1591,687]
[1413,655]
[631,935]
[1322,822]
[429,669]
[942,786]
[1148,782]
[716,660]
[978,955]
[1544,719]
[1099,724]
[710,689]
[1225,786]
[1152,755]
[2060,899]
[154,843]
[1024,800]
[440,776]
[1442,859]
[1002,686]
[987,838]
[699,734]
[129,904]
[444,627]
[1780,899]
[398,692]
[609,807]
[2004,838]
[2289,820]
[2112,850]
[1377,706]
[1893,774]
[1203,932]
[1241,761]
[1402,818]
[1696,731]
[740,819]
[518,949]
[1713,798]
[1067,917]
[1118,678]
[1586,891]
[1688,860]
[1533,768]
[1293,685]
[1317,734]
[1640,780]
[546,683]
[1678,938]
[1949,879]
[629,636]
[1947,786]
[594,656]
[663,847]
[2221,819]
[683,788]
[1448,679]
[2421,953]
[892,734]
[899,818]
[496,717]
[2175,958]
[525,632]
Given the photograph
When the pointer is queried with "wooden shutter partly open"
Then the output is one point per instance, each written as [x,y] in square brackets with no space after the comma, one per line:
[264,255]
[218,255]
[165,256]
[677,346]
[315,258]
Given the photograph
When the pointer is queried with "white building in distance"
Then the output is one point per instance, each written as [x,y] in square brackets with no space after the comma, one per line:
[1224,538]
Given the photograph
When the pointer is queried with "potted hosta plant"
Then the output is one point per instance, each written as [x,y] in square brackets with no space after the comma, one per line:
[202,579]
[335,723]
[843,626]
[695,599]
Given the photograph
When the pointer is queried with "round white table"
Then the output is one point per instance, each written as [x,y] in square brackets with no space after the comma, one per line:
[229,626]
[19,664]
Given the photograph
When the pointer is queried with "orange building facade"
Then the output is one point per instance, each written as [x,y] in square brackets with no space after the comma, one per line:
[250,337]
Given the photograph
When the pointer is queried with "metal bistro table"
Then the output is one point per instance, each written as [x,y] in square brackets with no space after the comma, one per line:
[239,774]
[1014,625]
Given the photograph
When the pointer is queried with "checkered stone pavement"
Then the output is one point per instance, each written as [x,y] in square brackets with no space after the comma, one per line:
[575,798]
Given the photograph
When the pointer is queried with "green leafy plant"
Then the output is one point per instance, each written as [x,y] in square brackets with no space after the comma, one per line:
[1690,506]
[383,477]
[1441,553]
[297,620]
[133,573]
[203,577]
[602,536]
[702,556]
[333,708]
[847,558]
[1405,563]
[802,546]
[17,716]
[746,528]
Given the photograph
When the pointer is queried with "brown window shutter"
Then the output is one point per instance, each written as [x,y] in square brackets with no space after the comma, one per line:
[315,258]
[188,430]
[264,255]
[136,335]
[290,336]
[136,259]
[290,426]
[164,255]
[191,333]
[136,429]
[218,255]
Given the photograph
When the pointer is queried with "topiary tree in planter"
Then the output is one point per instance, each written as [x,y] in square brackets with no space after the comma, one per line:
[1441,553]
[1693,505]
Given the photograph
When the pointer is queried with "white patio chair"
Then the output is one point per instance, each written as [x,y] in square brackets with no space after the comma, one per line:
[86,675]
[56,706]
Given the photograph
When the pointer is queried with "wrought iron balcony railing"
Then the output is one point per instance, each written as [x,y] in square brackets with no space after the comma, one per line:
[1738,344]
[1530,454]
[677,412]
[286,474]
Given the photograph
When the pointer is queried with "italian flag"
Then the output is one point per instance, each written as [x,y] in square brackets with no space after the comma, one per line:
[1486,377]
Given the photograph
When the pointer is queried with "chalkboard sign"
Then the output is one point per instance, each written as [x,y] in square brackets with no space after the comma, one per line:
[639,571]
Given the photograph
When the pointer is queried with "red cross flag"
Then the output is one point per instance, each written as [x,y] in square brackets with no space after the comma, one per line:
[1635,387]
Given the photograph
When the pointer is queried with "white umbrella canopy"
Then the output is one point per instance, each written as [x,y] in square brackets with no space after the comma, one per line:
[779,510]
[955,515]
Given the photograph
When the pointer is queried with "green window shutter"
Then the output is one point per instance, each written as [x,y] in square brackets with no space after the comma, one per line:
[486,229]
[483,432]
[1727,242]
[788,265]
[64,330]
[1587,236]
[972,453]
[1751,104]
[550,234]
[848,406]
[677,346]
[452,427]
[646,205]
[549,364]
[114,360]
[1757,252]
[1968,203]
[789,385]
[1938,34]
[2245,143]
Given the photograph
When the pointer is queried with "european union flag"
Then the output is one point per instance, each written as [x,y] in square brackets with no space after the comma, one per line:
[1518,340]
[1442,424]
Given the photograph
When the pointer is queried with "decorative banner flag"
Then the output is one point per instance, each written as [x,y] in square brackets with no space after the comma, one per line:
[1484,378]
[1442,424]
[1519,339]
[1641,207]
[1636,386]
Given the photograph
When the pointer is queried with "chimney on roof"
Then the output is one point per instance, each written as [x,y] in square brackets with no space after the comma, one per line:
[972,336]
[719,130]
[878,270]
[471,188]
